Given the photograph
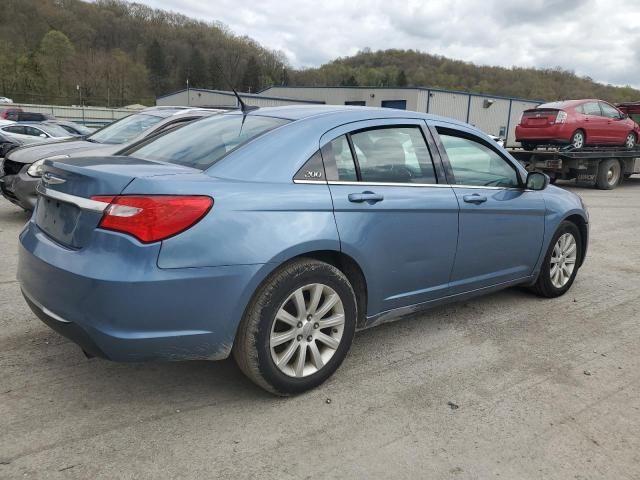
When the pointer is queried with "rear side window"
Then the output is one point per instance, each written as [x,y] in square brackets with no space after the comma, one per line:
[591,108]
[18,129]
[397,155]
[475,164]
[201,144]
[382,155]
[339,161]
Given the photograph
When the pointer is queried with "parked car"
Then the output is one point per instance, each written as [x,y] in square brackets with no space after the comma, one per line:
[6,112]
[577,123]
[22,166]
[74,128]
[35,129]
[11,142]
[5,100]
[29,116]
[274,234]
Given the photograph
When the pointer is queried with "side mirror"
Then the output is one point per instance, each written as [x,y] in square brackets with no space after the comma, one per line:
[537,181]
[42,135]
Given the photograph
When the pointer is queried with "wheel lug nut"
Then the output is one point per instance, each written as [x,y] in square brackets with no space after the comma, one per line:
[299,324]
[299,337]
[316,325]
[309,338]
[309,317]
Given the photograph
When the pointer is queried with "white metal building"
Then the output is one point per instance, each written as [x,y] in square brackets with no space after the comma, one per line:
[198,97]
[492,114]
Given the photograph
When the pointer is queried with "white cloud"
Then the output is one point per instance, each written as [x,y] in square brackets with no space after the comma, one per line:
[598,38]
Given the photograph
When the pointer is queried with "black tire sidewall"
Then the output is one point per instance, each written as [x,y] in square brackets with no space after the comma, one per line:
[282,287]
[602,182]
[544,284]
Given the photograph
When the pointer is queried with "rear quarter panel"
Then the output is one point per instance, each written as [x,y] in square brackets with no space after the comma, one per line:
[250,222]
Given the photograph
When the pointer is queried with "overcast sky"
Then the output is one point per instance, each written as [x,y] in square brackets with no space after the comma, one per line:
[598,38]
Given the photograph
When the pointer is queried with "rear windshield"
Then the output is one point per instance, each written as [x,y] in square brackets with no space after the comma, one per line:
[124,130]
[558,105]
[201,144]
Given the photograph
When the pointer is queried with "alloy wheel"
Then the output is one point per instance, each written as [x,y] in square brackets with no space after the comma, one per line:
[563,260]
[578,140]
[307,330]
[630,142]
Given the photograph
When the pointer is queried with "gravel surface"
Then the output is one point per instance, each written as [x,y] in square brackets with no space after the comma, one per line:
[506,386]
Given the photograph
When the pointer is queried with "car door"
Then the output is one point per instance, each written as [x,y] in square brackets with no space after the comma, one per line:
[501,223]
[394,217]
[594,124]
[615,131]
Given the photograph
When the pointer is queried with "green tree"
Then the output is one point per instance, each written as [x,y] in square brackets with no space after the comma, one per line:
[252,79]
[196,70]
[401,79]
[56,50]
[155,61]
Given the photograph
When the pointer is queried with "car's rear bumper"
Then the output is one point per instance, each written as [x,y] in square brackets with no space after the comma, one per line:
[132,310]
[560,133]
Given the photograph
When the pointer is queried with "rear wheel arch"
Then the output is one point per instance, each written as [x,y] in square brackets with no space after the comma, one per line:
[351,269]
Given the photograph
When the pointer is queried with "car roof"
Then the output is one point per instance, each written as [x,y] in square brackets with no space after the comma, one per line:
[344,113]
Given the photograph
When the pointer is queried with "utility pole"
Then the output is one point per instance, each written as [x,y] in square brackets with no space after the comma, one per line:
[188,94]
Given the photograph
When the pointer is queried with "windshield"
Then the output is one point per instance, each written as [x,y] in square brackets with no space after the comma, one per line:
[54,130]
[125,129]
[200,144]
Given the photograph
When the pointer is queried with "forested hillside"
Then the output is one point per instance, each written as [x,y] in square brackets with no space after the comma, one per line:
[414,68]
[120,53]
[111,52]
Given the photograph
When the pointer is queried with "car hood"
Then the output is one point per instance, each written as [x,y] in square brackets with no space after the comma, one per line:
[75,148]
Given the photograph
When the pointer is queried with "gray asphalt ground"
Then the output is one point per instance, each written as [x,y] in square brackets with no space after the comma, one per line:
[544,389]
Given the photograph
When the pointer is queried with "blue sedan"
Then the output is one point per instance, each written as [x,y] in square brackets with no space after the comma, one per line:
[275,234]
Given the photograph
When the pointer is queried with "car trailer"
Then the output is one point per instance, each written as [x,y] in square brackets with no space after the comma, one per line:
[602,167]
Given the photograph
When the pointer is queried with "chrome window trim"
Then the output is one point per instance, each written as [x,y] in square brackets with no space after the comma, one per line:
[389,184]
[400,184]
[80,202]
[313,182]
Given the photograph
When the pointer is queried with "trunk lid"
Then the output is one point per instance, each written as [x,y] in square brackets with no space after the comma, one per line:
[65,210]
[539,117]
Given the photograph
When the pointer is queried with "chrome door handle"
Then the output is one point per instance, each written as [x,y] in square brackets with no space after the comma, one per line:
[368,197]
[475,198]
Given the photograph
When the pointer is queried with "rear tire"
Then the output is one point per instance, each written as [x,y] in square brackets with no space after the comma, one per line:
[285,344]
[609,174]
[528,146]
[578,139]
[564,254]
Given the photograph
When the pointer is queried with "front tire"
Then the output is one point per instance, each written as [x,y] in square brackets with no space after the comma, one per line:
[630,141]
[561,262]
[298,328]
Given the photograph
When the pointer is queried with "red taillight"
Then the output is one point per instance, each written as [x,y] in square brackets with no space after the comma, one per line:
[151,218]
[561,116]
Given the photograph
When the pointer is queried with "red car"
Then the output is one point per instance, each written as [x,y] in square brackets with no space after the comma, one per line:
[6,112]
[577,123]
